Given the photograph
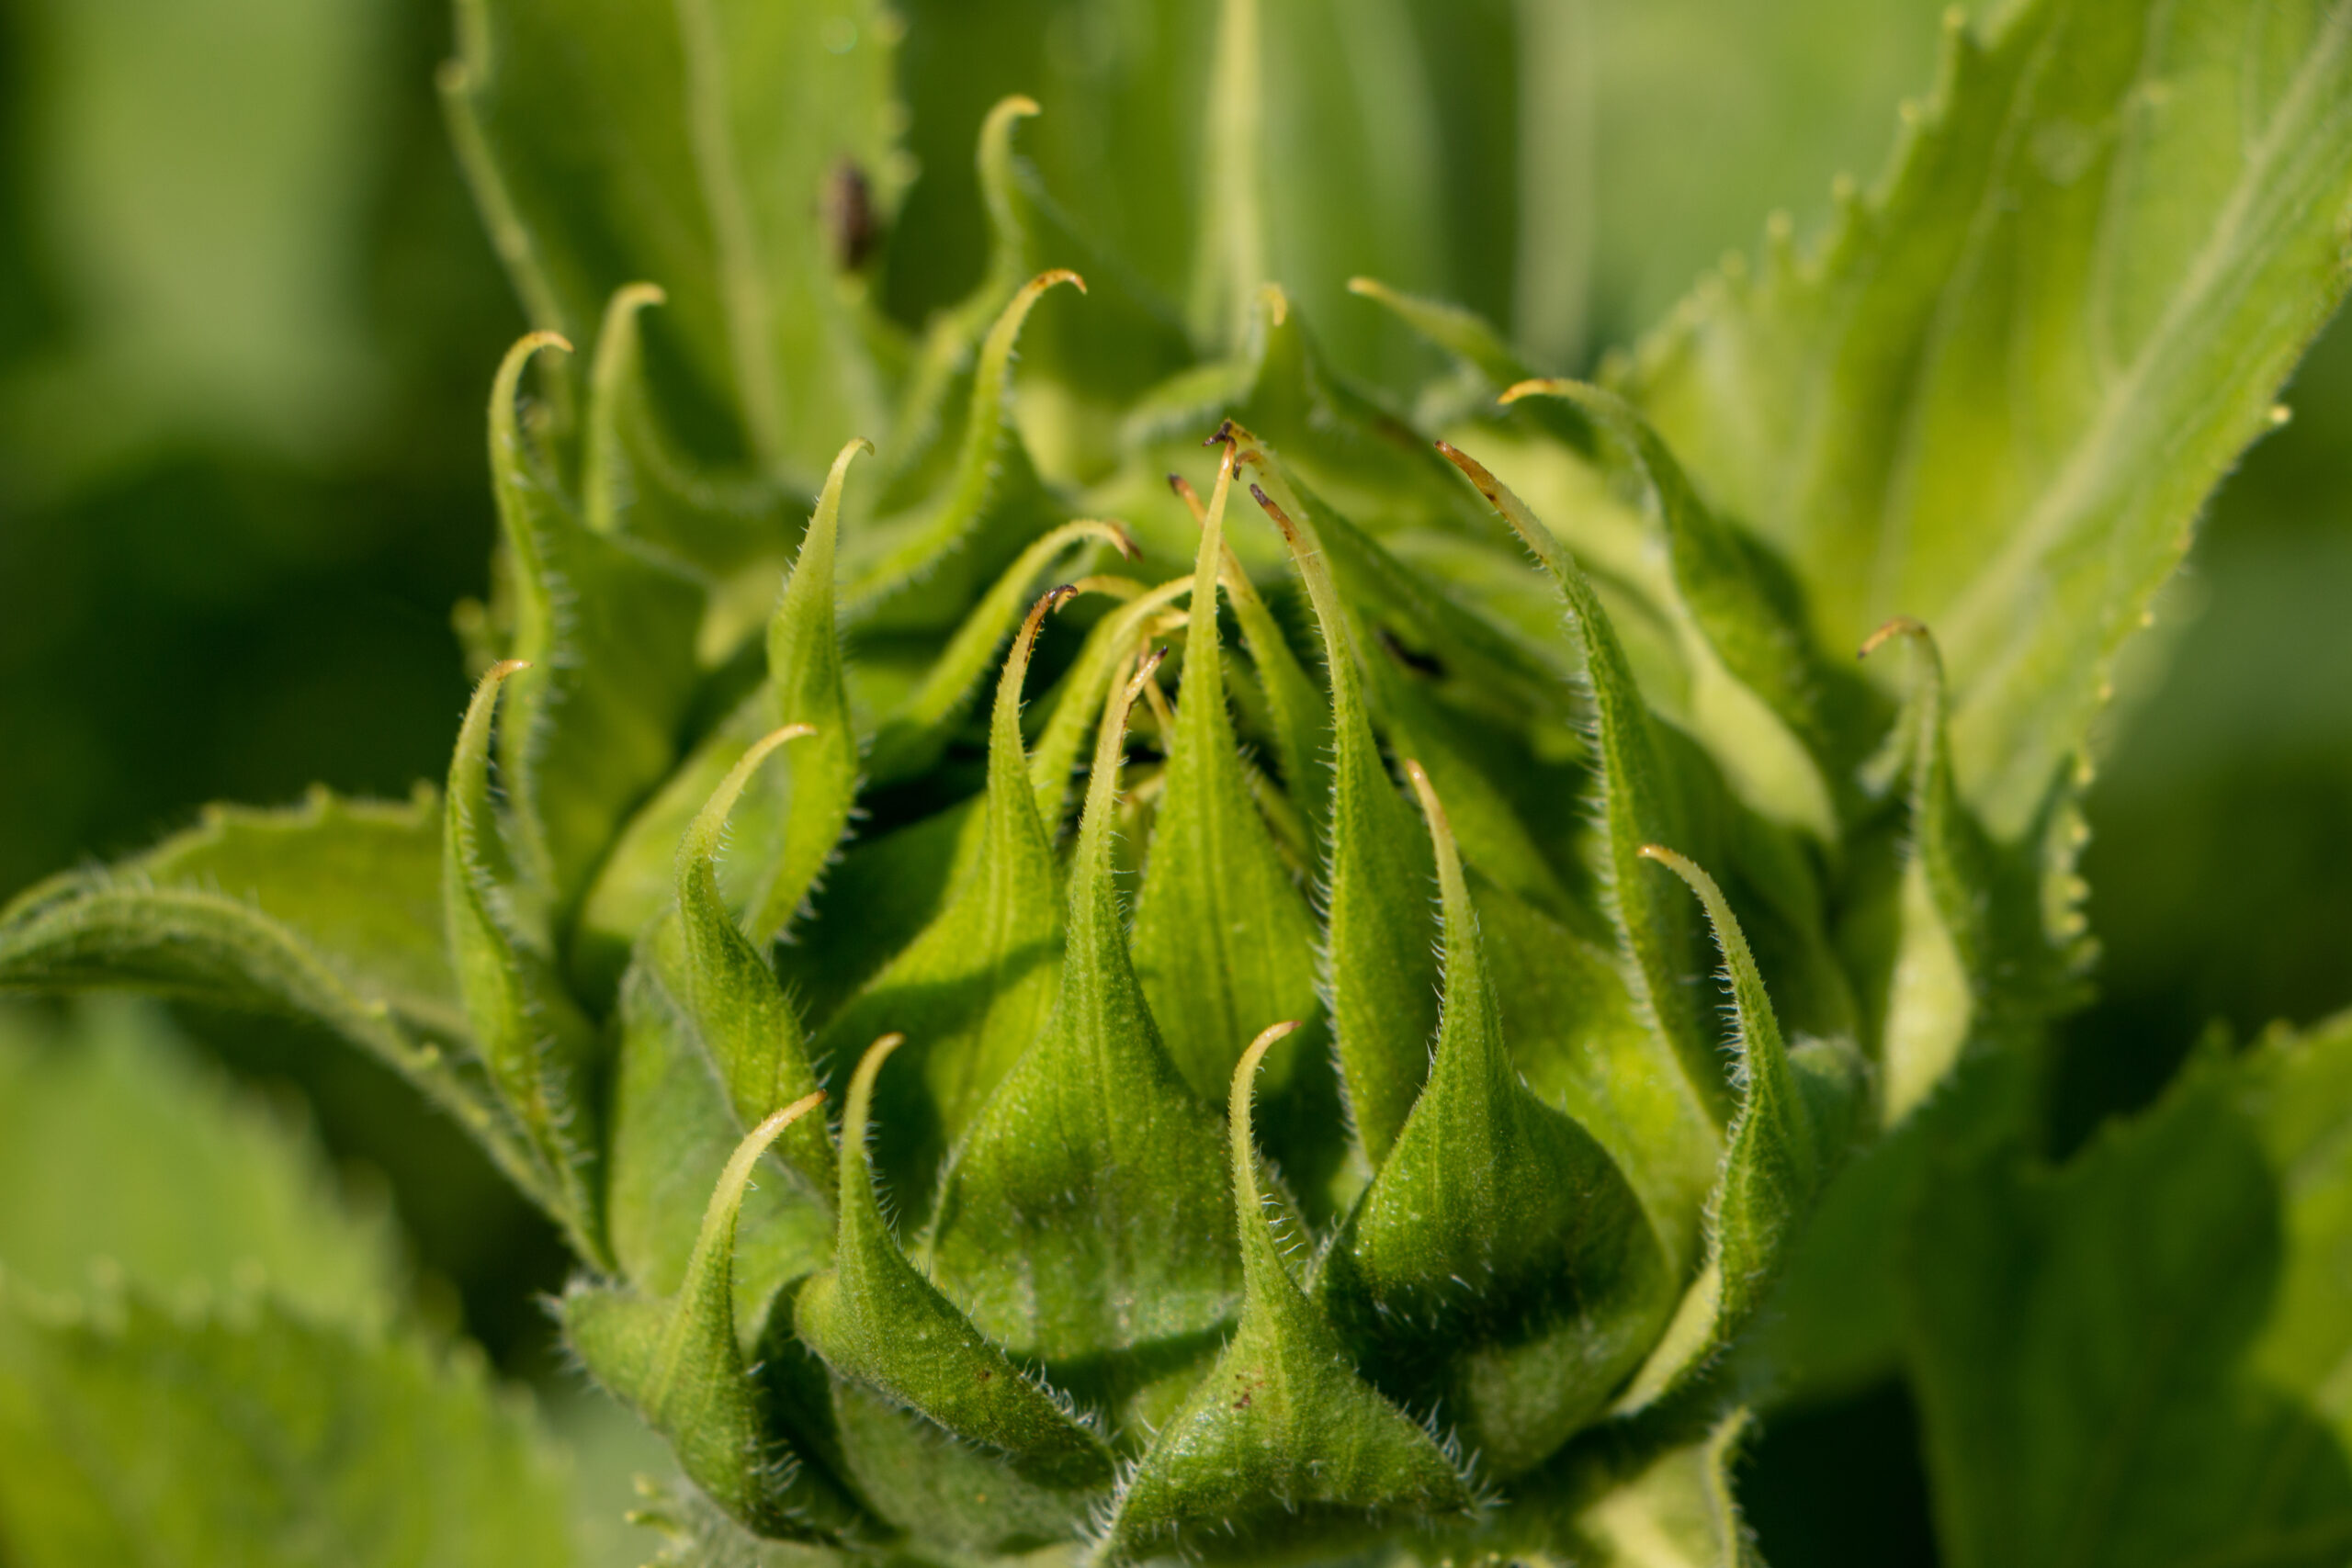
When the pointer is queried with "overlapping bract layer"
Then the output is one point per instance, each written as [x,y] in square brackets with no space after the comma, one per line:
[1503,1198]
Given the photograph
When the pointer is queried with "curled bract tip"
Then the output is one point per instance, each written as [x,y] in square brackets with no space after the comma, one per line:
[1684,867]
[1247,1069]
[1014,106]
[1184,492]
[1370,288]
[1477,472]
[778,736]
[778,1121]
[1282,518]
[1117,536]
[1144,672]
[1535,387]
[861,1086]
[502,668]
[1899,626]
[1045,281]
[531,343]
[1426,793]
[634,296]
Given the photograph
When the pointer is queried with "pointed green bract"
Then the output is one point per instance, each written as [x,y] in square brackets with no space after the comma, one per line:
[1223,939]
[1996,394]
[974,988]
[529,1035]
[1085,1220]
[729,531]
[1994,399]
[608,639]
[874,1319]
[1498,1262]
[1282,1444]
[1639,802]
[805,687]
[1116,638]
[749,1028]
[912,736]
[1797,1112]
[1930,1001]
[1378,972]
[984,512]
[1759,695]
[787,828]
[944,363]
[1294,704]
[1578,1040]
[679,1364]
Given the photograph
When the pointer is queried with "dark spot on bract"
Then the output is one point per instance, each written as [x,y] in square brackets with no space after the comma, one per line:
[852,226]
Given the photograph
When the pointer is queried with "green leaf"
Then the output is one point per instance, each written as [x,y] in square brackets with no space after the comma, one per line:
[2296,1091]
[680,1365]
[608,639]
[530,1037]
[1379,971]
[694,146]
[1282,1444]
[1223,939]
[123,1155]
[132,1432]
[1085,1218]
[1499,1262]
[1640,800]
[255,911]
[976,986]
[877,1321]
[749,1028]
[305,868]
[1996,395]
[1797,1113]
[2137,1357]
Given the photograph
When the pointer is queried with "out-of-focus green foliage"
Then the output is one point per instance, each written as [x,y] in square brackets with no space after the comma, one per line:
[178,1277]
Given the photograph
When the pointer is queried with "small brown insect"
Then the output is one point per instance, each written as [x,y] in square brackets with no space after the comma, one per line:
[851,223]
